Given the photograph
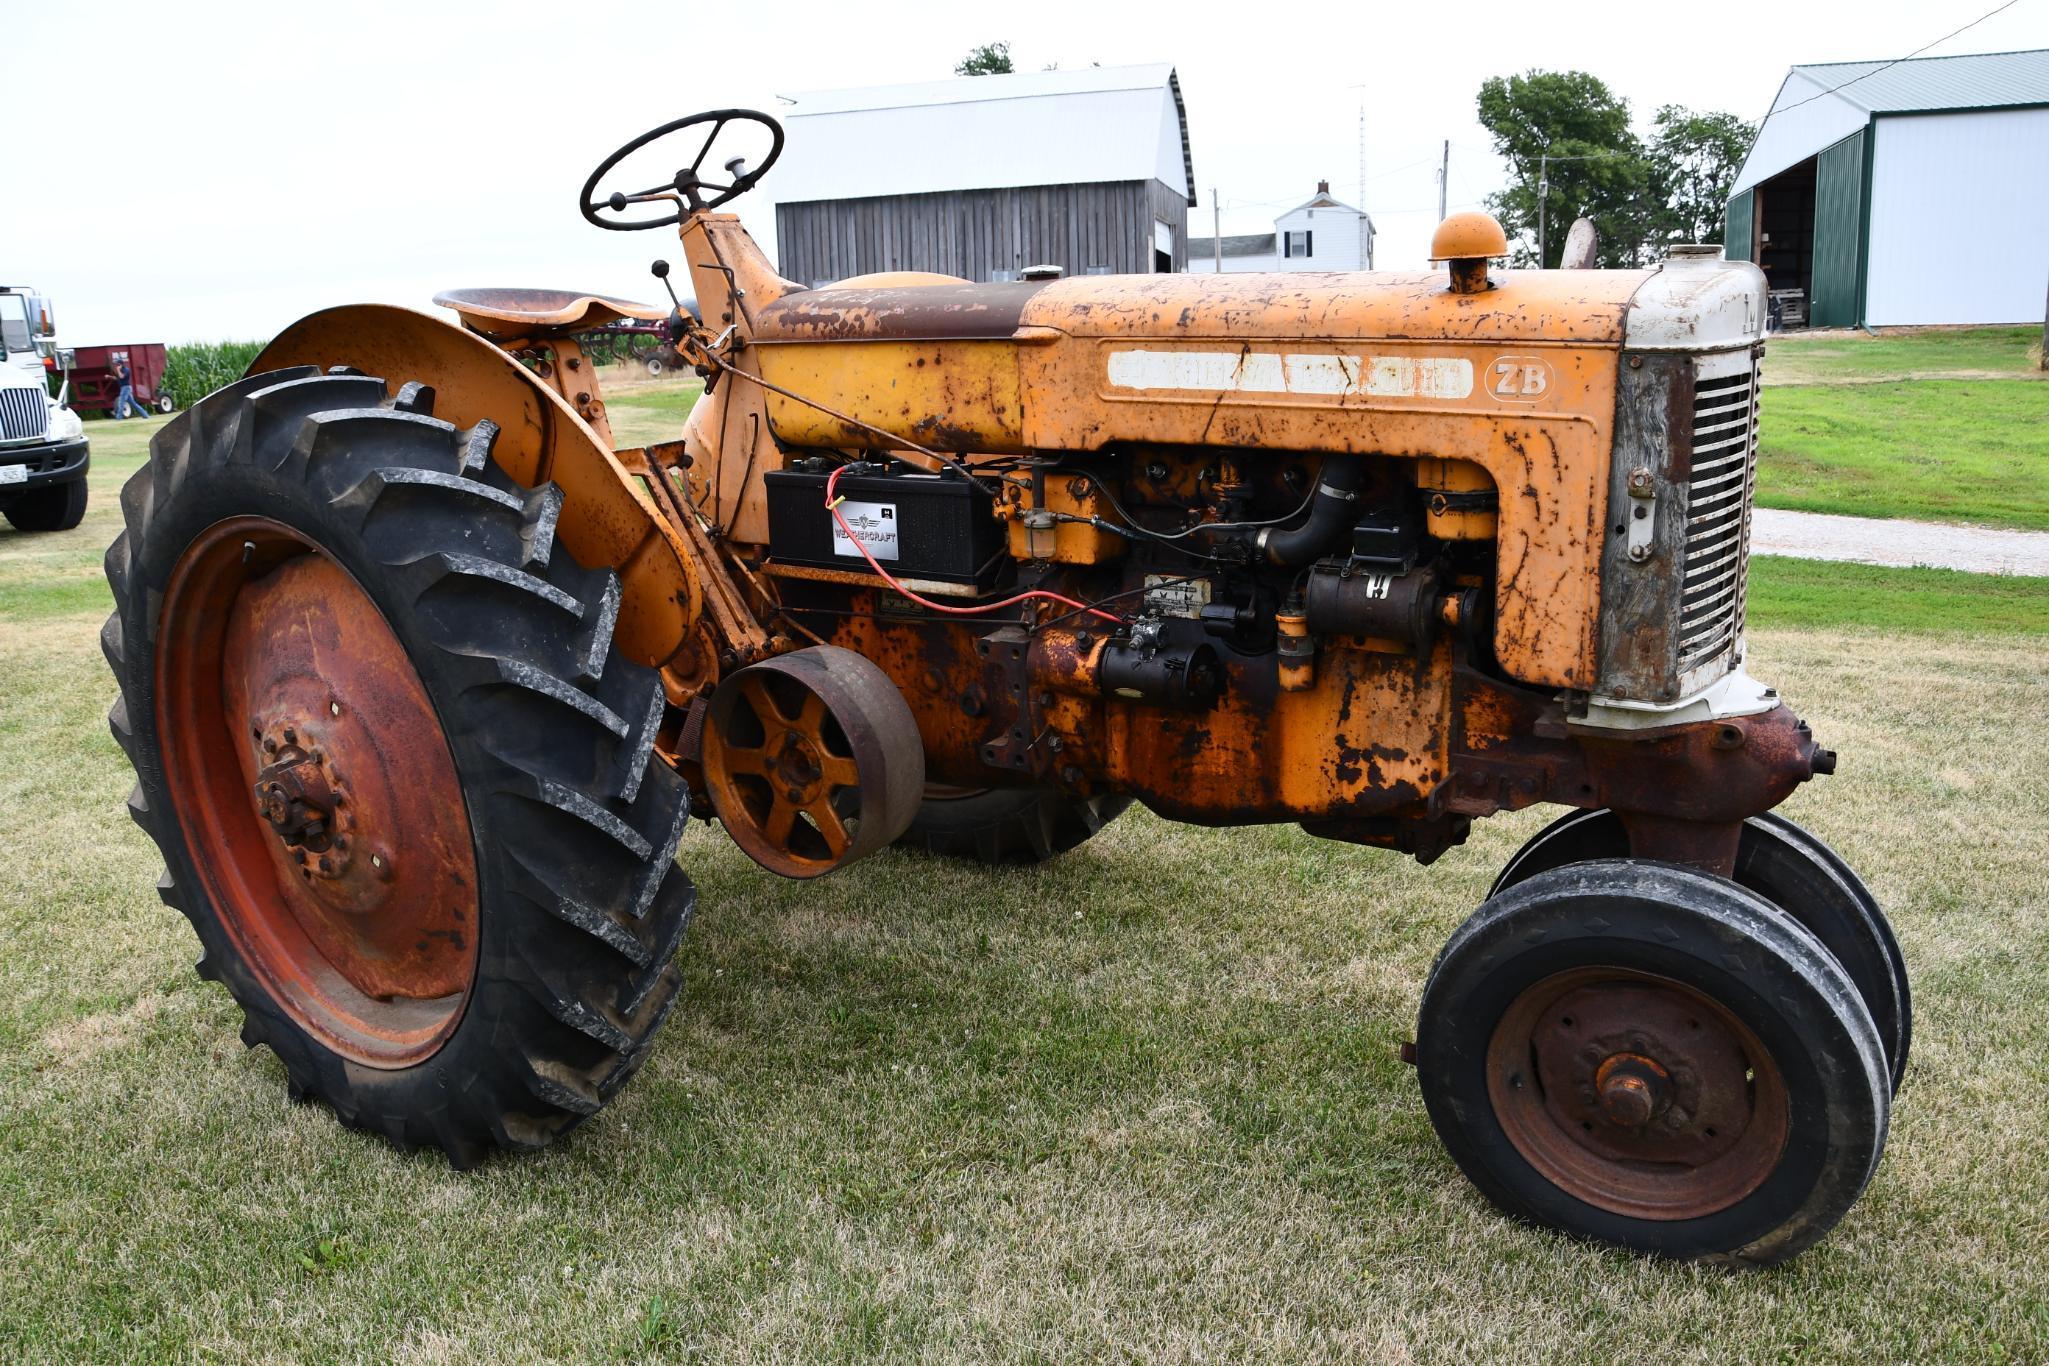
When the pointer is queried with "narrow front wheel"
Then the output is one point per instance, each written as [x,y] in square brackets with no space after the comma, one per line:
[1654,1058]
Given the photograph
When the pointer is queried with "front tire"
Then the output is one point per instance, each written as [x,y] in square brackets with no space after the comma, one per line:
[56,507]
[1790,867]
[475,731]
[1654,1058]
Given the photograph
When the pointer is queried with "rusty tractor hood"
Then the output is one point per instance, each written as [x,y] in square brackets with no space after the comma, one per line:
[1585,307]
[1081,363]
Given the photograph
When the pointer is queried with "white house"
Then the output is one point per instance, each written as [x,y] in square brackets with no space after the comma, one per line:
[1892,193]
[1319,234]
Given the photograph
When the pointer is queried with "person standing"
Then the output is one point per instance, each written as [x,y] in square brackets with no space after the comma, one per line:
[125,400]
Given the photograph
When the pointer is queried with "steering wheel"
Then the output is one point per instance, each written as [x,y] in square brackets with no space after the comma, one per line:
[689,187]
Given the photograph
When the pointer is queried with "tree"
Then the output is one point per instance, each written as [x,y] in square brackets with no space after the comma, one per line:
[1697,157]
[990,59]
[1598,168]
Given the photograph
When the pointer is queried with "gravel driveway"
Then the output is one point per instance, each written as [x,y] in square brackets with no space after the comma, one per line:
[1871,540]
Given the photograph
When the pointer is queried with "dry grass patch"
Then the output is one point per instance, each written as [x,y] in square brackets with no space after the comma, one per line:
[932,1111]
[1140,1103]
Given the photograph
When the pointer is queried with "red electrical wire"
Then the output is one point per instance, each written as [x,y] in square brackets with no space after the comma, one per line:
[832,505]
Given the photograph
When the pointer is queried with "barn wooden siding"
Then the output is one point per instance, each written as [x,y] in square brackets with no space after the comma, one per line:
[973,233]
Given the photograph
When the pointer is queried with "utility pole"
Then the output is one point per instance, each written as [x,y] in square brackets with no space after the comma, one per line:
[1443,179]
[1365,239]
[1216,218]
[1543,199]
[1362,156]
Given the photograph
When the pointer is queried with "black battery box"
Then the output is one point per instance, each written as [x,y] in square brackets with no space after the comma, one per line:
[917,526]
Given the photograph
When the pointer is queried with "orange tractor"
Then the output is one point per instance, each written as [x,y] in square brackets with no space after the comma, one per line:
[422,677]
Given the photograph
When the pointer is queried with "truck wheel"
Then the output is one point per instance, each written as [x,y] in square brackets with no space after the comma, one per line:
[164,404]
[1006,825]
[54,507]
[1652,1057]
[402,779]
[1795,871]
[655,367]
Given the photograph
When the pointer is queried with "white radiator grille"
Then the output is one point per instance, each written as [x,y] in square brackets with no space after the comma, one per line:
[1719,494]
[23,415]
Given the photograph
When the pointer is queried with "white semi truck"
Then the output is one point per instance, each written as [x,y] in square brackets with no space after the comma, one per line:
[43,450]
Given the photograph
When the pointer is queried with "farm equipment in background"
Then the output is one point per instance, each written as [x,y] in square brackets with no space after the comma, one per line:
[644,344]
[44,454]
[96,379]
[422,676]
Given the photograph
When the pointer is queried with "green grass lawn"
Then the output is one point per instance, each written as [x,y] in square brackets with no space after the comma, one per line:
[1141,1103]
[1929,353]
[1938,425]
[1796,594]
[1941,450]
[643,411]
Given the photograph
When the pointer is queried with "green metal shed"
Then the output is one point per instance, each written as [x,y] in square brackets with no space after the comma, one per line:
[1866,177]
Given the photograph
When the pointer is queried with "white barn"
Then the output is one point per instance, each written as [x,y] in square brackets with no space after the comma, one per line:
[1321,233]
[982,176]
[1883,194]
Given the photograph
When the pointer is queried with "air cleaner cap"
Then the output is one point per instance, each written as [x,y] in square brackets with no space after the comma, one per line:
[1464,236]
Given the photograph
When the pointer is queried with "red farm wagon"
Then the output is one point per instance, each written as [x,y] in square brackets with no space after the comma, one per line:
[96,383]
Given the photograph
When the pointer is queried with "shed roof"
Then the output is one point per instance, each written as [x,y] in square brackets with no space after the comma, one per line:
[1821,103]
[1978,80]
[1087,126]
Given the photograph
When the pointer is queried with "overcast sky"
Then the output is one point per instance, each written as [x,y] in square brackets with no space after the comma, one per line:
[212,170]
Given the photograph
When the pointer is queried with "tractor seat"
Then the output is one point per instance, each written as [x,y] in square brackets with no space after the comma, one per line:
[512,314]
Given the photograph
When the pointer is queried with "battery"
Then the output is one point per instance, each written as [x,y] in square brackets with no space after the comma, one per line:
[916,525]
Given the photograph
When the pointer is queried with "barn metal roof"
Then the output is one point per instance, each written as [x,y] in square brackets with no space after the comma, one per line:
[1821,103]
[1087,126]
[1982,80]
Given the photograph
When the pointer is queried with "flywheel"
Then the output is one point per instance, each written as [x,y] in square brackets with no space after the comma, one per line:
[812,760]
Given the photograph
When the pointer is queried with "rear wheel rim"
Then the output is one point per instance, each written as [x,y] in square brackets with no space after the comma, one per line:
[1637,1094]
[316,790]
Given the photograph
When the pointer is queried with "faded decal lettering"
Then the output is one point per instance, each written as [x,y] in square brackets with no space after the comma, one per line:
[1258,372]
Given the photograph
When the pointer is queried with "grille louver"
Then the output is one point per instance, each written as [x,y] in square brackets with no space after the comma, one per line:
[1719,494]
[23,416]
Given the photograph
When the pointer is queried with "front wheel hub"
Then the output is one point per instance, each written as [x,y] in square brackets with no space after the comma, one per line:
[1637,1094]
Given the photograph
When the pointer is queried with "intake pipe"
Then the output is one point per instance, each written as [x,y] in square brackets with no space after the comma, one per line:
[1331,513]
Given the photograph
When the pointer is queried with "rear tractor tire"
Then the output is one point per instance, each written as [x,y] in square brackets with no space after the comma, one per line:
[1005,825]
[1654,1058]
[402,780]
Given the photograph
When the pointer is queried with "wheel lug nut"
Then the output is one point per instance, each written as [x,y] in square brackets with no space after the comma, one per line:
[1626,1101]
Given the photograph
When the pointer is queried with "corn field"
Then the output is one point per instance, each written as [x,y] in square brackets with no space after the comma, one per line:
[195,369]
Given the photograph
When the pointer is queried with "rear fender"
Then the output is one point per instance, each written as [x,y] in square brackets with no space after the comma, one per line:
[607,517]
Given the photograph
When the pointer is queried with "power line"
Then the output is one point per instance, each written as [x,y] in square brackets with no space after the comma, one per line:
[1897,60]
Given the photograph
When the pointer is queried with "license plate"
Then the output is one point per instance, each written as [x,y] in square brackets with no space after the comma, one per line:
[13,474]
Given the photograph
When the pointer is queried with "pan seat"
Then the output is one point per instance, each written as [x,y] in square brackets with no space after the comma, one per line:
[513,314]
